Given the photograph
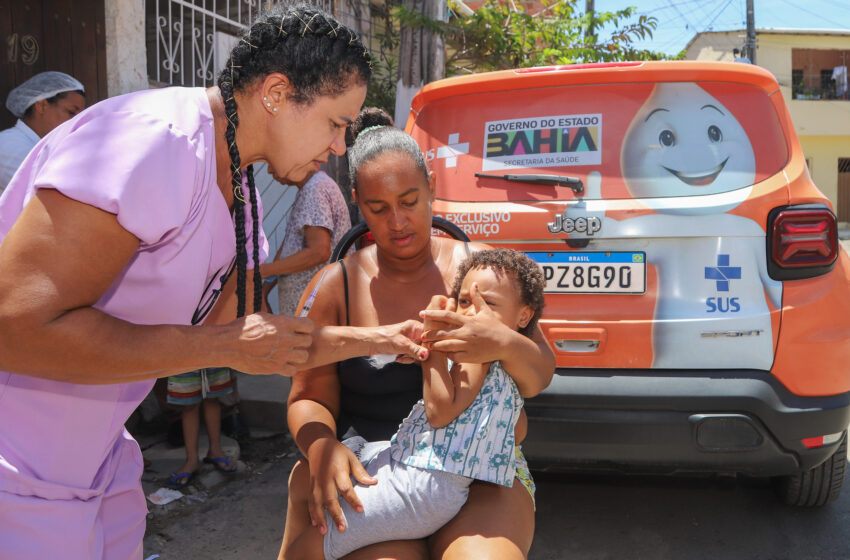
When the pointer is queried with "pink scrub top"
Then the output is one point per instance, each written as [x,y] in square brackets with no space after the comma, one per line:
[148,158]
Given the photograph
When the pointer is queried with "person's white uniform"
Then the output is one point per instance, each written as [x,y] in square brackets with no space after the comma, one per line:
[16,142]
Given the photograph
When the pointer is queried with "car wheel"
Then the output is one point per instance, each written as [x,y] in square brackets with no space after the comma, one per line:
[817,486]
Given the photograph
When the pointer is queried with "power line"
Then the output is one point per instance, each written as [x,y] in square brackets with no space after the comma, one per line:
[671,5]
[798,7]
[838,4]
[678,11]
[662,47]
[673,13]
[699,8]
[687,10]
[717,15]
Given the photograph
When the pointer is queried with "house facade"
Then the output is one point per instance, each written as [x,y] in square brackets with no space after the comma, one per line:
[811,68]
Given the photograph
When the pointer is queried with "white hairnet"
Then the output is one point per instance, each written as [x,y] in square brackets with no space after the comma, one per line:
[41,86]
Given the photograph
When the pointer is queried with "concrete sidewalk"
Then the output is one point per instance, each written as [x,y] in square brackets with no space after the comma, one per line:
[262,401]
[227,517]
[166,459]
[262,410]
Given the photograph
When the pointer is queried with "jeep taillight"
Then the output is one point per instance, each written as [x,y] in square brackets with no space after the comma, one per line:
[802,242]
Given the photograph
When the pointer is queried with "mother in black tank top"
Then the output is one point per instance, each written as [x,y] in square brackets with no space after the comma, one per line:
[386,283]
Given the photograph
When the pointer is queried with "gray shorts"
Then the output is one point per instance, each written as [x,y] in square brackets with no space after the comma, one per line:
[406,503]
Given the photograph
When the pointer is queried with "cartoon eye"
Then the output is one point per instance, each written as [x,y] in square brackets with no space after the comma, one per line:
[714,134]
[667,138]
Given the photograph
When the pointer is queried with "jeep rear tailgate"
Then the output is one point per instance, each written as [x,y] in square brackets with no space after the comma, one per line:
[659,260]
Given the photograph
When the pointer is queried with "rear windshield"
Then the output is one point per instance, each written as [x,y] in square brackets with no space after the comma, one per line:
[644,140]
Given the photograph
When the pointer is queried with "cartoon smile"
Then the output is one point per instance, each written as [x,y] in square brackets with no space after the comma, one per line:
[701,179]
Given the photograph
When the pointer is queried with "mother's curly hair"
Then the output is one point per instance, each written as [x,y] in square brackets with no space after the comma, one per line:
[526,274]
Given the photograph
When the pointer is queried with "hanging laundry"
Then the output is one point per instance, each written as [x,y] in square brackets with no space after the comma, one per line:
[839,74]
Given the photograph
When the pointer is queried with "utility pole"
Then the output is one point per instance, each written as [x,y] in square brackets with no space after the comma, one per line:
[422,56]
[588,9]
[751,33]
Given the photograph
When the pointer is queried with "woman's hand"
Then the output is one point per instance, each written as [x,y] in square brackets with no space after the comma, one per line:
[477,338]
[271,344]
[401,339]
[331,466]
[482,337]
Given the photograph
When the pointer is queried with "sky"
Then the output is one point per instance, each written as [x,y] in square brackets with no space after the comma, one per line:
[680,20]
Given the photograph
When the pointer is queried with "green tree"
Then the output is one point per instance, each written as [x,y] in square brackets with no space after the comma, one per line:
[502,35]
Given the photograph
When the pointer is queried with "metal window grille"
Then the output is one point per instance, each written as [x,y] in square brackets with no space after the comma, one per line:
[187,40]
[843,190]
[184,37]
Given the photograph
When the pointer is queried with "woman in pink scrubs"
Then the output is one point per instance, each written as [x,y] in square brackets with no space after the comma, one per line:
[116,235]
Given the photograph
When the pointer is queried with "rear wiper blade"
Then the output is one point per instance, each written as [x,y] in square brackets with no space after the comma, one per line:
[549,180]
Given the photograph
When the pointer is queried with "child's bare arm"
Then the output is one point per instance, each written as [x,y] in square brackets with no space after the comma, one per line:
[465,382]
[438,389]
[448,392]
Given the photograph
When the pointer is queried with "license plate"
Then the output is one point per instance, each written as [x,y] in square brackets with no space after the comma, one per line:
[571,272]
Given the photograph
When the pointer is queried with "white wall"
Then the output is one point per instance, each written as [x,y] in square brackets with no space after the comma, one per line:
[715,47]
[126,63]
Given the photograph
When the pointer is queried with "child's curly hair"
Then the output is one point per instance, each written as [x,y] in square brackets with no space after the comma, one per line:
[526,272]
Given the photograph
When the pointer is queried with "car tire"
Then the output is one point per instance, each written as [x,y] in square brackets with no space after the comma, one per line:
[817,486]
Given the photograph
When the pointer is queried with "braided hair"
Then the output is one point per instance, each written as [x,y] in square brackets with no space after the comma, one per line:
[320,57]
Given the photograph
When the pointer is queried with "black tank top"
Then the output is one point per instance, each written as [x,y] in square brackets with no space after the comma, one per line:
[373,402]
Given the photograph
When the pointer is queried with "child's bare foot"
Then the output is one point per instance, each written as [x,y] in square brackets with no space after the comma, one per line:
[183,475]
[189,466]
[223,464]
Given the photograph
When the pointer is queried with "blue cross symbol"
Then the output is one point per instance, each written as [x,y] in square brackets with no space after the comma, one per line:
[722,273]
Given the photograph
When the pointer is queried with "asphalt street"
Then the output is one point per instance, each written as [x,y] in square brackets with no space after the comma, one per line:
[578,517]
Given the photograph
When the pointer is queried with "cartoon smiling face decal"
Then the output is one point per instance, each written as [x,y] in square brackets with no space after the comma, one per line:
[684,142]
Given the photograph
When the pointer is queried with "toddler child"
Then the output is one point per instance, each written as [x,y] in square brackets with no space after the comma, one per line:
[461,430]
[192,390]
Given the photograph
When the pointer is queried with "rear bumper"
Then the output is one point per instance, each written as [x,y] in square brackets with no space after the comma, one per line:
[678,421]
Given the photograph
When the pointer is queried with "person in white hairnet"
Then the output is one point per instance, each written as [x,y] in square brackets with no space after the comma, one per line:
[41,104]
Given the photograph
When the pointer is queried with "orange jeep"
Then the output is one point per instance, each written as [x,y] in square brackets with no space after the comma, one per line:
[697,299]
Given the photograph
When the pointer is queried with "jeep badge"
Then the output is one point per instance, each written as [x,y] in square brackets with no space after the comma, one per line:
[569,225]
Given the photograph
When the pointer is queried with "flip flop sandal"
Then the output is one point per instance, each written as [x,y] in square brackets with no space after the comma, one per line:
[180,480]
[221,464]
